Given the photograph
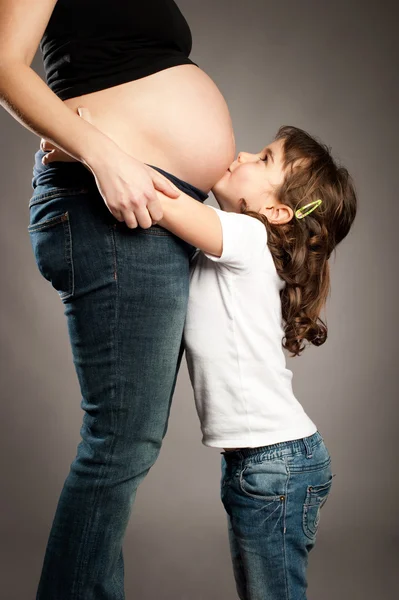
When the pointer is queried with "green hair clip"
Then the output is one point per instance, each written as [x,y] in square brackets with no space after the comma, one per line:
[311,207]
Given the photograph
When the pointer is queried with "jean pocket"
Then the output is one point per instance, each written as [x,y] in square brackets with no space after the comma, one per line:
[265,480]
[316,497]
[52,247]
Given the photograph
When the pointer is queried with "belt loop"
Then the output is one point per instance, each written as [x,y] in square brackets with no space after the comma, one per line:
[308,447]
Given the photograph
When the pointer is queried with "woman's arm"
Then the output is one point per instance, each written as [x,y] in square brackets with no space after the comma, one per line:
[125,183]
[193,222]
[25,95]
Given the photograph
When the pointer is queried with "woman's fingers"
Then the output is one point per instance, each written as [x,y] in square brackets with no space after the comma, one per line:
[49,157]
[130,220]
[85,114]
[57,155]
[46,145]
[138,215]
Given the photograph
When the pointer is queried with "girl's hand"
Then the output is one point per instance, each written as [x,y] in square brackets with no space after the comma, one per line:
[127,186]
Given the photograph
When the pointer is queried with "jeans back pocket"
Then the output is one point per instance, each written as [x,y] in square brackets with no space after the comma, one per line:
[316,497]
[52,247]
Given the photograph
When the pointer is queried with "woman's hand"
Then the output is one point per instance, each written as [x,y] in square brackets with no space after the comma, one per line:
[127,185]
[54,154]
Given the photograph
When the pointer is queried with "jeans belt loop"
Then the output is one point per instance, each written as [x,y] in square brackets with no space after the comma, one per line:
[308,447]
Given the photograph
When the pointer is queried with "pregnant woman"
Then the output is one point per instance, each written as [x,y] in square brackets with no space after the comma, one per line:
[123,279]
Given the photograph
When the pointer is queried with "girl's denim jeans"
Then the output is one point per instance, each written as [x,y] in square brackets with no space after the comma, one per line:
[273,496]
[125,294]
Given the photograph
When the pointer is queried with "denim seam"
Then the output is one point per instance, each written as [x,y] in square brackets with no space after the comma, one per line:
[48,223]
[314,490]
[151,231]
[50,195]
[317,505]
[68,253]
[318,467]
[284,531]
[113,228]
[80,583]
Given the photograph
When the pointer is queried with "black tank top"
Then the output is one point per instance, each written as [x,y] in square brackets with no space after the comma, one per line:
[90,45]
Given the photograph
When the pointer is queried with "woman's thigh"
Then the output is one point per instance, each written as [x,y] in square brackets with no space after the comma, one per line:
[125,295]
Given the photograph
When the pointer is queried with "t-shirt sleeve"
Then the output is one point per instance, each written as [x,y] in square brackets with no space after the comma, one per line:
[244,240]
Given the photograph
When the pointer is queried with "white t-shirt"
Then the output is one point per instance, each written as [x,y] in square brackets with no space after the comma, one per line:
[233,339]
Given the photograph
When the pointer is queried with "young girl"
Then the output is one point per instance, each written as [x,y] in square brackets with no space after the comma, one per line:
[258,283]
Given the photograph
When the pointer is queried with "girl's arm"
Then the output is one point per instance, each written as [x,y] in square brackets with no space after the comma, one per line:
[193,222]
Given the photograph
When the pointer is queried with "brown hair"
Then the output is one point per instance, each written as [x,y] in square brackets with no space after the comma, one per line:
[301,248]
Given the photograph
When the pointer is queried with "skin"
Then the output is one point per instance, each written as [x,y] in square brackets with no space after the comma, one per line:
[146,121]
[253,176]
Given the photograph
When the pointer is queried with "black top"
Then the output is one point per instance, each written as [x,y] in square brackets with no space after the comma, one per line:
[90,45]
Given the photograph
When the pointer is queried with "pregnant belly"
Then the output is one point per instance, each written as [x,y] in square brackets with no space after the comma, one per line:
[175,119]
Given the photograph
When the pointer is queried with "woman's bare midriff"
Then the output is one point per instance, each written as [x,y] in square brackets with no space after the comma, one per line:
[175,119]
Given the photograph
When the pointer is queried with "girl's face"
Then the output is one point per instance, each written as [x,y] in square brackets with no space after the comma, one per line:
[253,177]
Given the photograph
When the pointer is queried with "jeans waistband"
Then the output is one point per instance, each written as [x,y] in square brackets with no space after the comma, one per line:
[72,174]
[189,189]
[304,445]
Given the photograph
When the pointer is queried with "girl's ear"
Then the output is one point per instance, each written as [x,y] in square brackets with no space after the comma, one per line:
[278,214]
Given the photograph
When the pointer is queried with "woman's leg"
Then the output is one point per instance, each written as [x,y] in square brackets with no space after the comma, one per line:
[125,293]
[273,500]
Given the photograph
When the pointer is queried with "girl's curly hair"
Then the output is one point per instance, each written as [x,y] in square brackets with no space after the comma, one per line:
[301,248]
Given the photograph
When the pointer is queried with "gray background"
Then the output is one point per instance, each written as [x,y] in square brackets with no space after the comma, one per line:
[328,67]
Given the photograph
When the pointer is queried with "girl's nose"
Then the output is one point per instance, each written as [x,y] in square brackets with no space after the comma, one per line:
[245,157]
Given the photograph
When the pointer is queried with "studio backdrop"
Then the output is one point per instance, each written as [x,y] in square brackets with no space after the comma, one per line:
[331,69]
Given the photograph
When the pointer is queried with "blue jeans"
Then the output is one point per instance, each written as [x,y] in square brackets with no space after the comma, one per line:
[273,496]
[125,295]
